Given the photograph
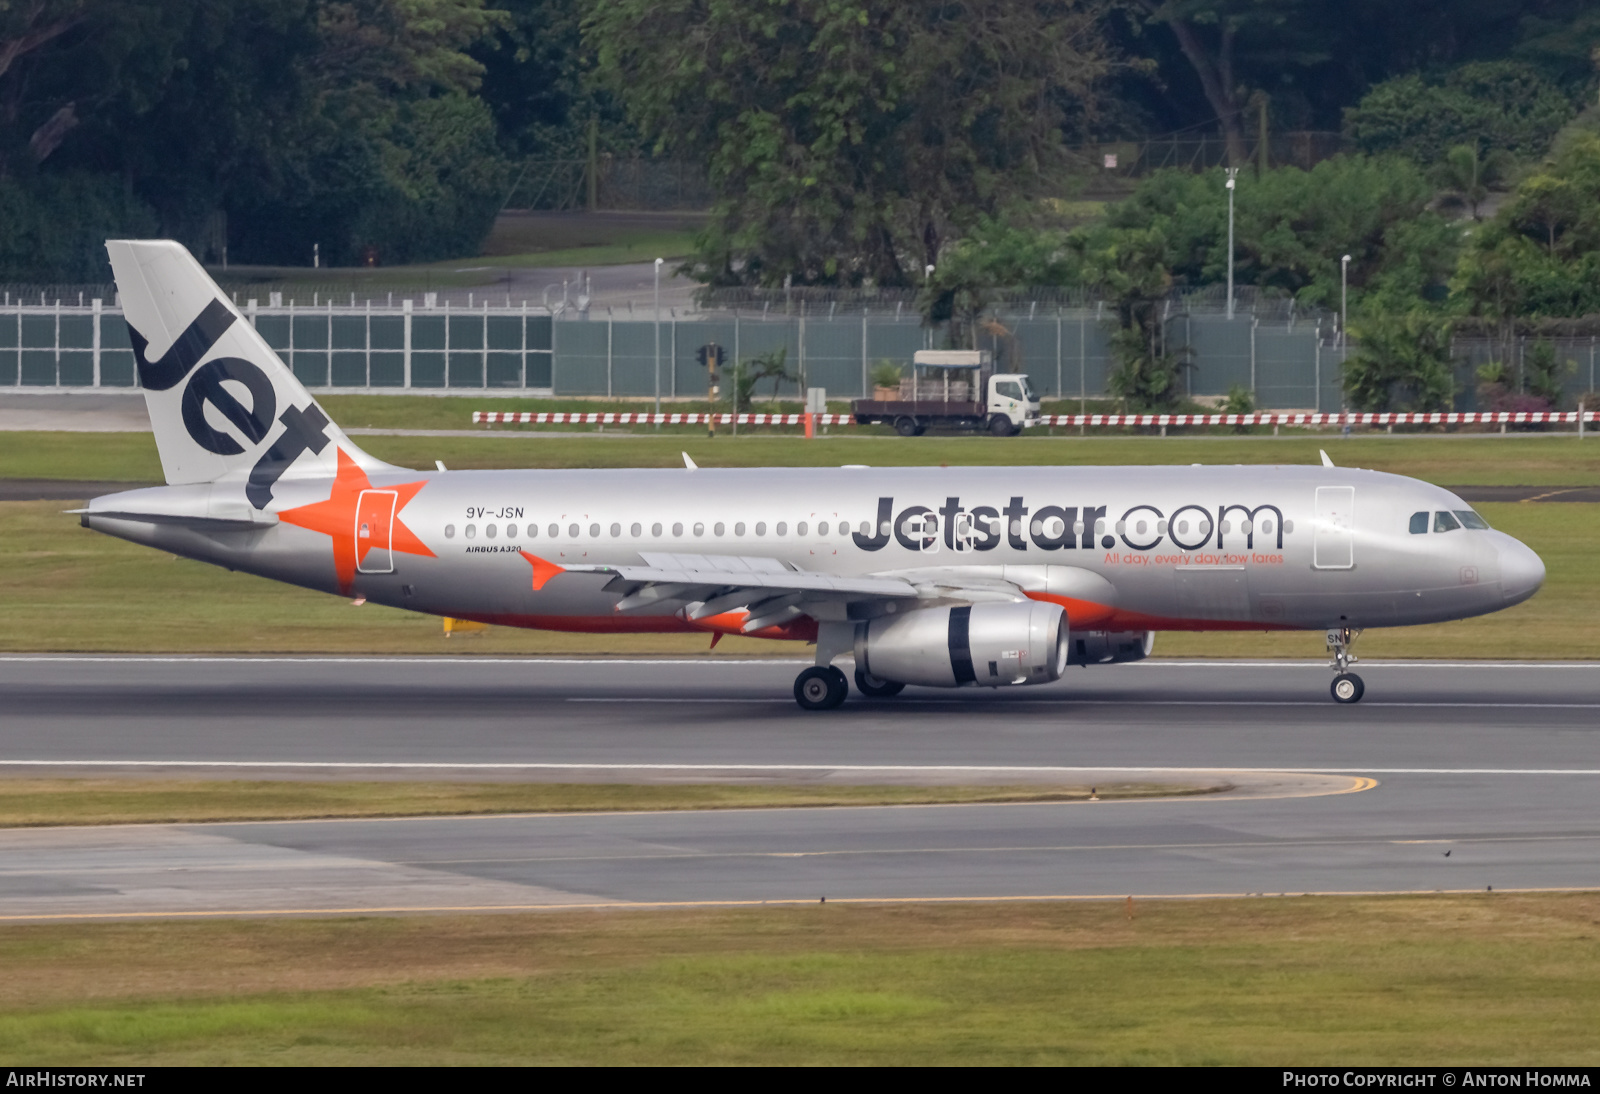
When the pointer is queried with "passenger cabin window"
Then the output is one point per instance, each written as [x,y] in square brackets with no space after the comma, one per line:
[1419,524]
[1444,522]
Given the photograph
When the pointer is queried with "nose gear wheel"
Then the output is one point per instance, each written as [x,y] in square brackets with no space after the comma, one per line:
[1347,686]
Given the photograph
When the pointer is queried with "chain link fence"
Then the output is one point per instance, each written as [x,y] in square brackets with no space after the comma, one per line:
[432,344]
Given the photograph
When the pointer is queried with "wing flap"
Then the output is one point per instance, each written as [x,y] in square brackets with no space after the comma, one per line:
[779,580]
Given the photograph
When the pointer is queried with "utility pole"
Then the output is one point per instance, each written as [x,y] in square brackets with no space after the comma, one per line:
[658,341]
[1344,303]
[1233,175]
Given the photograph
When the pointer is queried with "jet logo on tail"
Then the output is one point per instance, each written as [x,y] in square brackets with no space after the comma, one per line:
[305,428]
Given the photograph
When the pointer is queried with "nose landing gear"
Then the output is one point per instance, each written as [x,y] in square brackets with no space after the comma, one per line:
[1347,686]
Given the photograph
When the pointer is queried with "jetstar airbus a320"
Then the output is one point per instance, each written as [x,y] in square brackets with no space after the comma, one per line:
[940,577]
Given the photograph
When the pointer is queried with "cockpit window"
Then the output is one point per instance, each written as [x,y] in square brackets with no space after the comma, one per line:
[1419,524]
[1472,520]
[1444,522]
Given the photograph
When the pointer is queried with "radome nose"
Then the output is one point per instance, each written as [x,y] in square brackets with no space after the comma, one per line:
[1521,571]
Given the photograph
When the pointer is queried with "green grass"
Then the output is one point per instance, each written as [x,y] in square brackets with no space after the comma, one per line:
[1446,980]
[640,246]
[49,802]
[1454,460]
[519,240]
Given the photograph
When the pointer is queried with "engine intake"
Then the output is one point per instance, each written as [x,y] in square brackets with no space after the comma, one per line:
[990,645]
[1110,647]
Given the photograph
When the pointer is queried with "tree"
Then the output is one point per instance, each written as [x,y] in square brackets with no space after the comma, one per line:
[772,365]
[1402,362]
[1496,105]
[1212,33]
[1466,176]
[847,141]
[273,123]
[1127,266]
[1540,255]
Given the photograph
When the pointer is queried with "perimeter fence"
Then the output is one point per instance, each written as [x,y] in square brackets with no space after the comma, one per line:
[439,344]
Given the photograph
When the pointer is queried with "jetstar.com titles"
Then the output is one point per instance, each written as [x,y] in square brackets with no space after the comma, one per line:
[1188,529]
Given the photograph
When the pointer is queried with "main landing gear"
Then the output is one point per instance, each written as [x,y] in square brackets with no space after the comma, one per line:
[820,687]
[874,688]
[1347,686]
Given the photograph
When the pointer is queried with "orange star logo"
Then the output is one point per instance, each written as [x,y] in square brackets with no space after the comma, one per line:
[360,519]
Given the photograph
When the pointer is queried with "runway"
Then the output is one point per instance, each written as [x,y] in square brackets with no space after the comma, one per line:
[1494,763]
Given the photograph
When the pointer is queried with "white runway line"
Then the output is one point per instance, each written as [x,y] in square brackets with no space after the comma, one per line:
[1077,701]
[343,765]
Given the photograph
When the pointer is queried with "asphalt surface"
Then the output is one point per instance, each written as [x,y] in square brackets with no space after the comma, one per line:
[1494,763]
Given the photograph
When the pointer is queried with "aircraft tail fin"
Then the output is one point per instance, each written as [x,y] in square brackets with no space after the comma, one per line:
[222,404]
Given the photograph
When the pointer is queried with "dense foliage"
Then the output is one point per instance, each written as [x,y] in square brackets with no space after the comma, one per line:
[849,142]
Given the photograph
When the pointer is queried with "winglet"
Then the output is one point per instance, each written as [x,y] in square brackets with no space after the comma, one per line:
[542,571]
[1325,461]
[690,464]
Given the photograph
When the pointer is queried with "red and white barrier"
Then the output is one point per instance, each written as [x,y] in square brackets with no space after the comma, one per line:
[492,417]
[1567,417]
[1570,417]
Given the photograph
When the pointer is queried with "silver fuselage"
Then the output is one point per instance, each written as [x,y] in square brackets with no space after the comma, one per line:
[1193,547]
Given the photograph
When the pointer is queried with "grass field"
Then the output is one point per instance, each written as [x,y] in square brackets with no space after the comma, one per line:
[49,802]
[1458,980]
[522,240]
[68,589]
[1453,460]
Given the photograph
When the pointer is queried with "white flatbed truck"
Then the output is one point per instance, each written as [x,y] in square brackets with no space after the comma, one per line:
[1000,402]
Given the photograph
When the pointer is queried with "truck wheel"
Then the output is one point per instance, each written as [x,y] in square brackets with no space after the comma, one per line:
[1001,426]
[906,427]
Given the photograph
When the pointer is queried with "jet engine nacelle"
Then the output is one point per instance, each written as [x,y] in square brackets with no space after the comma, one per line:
[1110,647]
[990,644]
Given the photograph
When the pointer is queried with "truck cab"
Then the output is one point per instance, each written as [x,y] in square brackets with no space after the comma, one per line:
[1013,398]
[954,389]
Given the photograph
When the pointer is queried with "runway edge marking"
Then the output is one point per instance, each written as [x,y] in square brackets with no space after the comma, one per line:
[780,902]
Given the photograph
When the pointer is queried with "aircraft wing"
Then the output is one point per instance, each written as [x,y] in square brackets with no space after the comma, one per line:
[774,593]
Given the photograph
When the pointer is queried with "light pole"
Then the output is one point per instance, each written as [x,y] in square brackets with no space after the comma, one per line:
[1344,301]
[1233,175]
[658,340]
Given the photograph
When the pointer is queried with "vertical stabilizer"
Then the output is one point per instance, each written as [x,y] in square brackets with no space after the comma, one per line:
[223,406]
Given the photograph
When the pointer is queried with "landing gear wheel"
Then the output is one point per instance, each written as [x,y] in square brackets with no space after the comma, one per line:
[820,688]
[872,687]
[1348,688]
[907,427]
[1001,426]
